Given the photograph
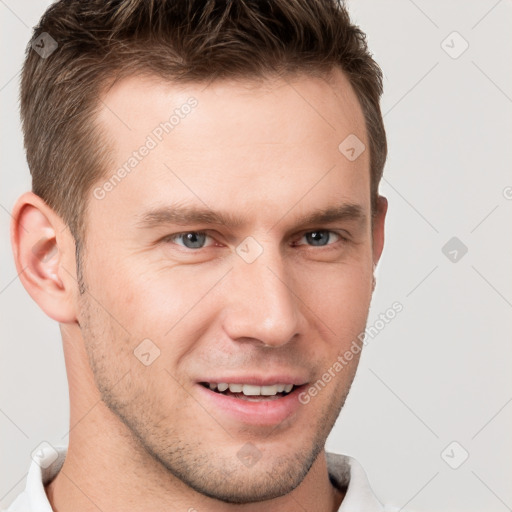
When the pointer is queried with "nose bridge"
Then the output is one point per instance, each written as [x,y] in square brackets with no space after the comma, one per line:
[262,305]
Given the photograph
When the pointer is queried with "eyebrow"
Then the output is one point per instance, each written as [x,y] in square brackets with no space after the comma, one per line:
[189,215]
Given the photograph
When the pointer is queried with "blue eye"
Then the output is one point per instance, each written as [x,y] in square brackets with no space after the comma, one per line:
[320,238]
[199,239]
[190,239]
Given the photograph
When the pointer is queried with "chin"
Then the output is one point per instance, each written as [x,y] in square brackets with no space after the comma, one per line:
[251,484]
[223,477]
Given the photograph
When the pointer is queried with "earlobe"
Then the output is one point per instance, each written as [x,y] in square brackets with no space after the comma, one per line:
[42,250]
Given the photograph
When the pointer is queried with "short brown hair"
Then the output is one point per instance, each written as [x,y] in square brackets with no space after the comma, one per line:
[100,41]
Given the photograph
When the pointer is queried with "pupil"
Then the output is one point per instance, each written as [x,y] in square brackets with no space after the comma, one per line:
[194,240]
[317,237]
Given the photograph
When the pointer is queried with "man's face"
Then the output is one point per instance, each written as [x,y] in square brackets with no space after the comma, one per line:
[272,299]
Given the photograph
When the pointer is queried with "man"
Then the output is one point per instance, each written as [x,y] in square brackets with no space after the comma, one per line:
[204,225]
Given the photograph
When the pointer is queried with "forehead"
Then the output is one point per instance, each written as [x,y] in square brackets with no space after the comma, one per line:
[329,97]
[245,145]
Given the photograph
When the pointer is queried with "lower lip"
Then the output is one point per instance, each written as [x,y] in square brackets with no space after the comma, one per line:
[264,412]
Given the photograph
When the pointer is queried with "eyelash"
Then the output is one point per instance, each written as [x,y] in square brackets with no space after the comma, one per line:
[342,238]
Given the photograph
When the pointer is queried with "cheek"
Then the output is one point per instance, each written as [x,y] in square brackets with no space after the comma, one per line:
[339,295]
[172,307]
[143,299]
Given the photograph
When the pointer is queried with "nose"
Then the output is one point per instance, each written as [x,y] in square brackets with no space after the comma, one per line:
[262,306]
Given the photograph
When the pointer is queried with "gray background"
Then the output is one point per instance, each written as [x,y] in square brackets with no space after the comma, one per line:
[440,371]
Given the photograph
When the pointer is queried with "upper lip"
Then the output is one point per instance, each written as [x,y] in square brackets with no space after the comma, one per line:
[257,380]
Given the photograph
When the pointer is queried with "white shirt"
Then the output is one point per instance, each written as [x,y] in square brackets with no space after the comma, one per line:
[344,471]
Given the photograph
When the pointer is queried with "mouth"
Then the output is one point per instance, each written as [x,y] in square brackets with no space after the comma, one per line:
[251,392]
[257,402]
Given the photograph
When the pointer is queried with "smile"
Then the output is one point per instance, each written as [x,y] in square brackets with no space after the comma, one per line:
[267,403]
[251,392]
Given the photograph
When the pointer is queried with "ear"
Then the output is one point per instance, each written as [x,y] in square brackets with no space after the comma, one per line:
[378,228]
[44,253]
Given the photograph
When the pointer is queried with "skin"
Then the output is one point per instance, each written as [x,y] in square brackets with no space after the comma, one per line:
[143,437]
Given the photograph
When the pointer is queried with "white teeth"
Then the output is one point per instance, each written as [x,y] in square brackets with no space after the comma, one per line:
[268,390]
[250,389]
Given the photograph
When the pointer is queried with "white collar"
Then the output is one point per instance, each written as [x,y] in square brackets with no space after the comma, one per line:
[348,475]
